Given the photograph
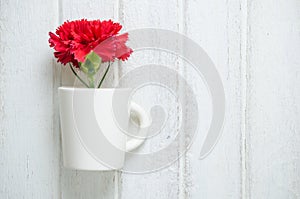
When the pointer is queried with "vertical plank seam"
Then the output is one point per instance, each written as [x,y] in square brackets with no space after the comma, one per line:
[58,21]
[180,90]
[116,16]
[244,83]
[116,184]
[116,76]
[2,83]
[56,124]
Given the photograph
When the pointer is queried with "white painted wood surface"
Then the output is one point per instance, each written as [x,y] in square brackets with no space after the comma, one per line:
[255,46]
[86,184]
[143,14]
[29,149]
[273,99]
[217,30]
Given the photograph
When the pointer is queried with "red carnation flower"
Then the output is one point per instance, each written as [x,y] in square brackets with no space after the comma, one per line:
[75,39]
[114,47]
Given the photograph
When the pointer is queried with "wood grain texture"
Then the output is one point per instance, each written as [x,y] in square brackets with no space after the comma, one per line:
[273,109]
[215,26]
[83,184]
[29,163]
[155,14]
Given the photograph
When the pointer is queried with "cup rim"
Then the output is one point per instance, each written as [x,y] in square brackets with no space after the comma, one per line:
[70,88]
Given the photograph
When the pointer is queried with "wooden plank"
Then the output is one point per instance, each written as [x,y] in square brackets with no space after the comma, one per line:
[163,183]
[273,99]
[87,184]
[29,140]
[215,26]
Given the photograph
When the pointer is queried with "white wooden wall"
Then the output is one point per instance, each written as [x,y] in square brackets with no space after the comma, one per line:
[255,46]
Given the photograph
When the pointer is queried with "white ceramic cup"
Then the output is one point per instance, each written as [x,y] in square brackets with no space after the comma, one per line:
[94,125]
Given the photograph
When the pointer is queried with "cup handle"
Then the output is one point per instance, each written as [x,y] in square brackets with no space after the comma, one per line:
[144,121]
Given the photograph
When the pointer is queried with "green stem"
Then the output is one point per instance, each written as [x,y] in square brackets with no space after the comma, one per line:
[78,76]
[101,81]
[91,81]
